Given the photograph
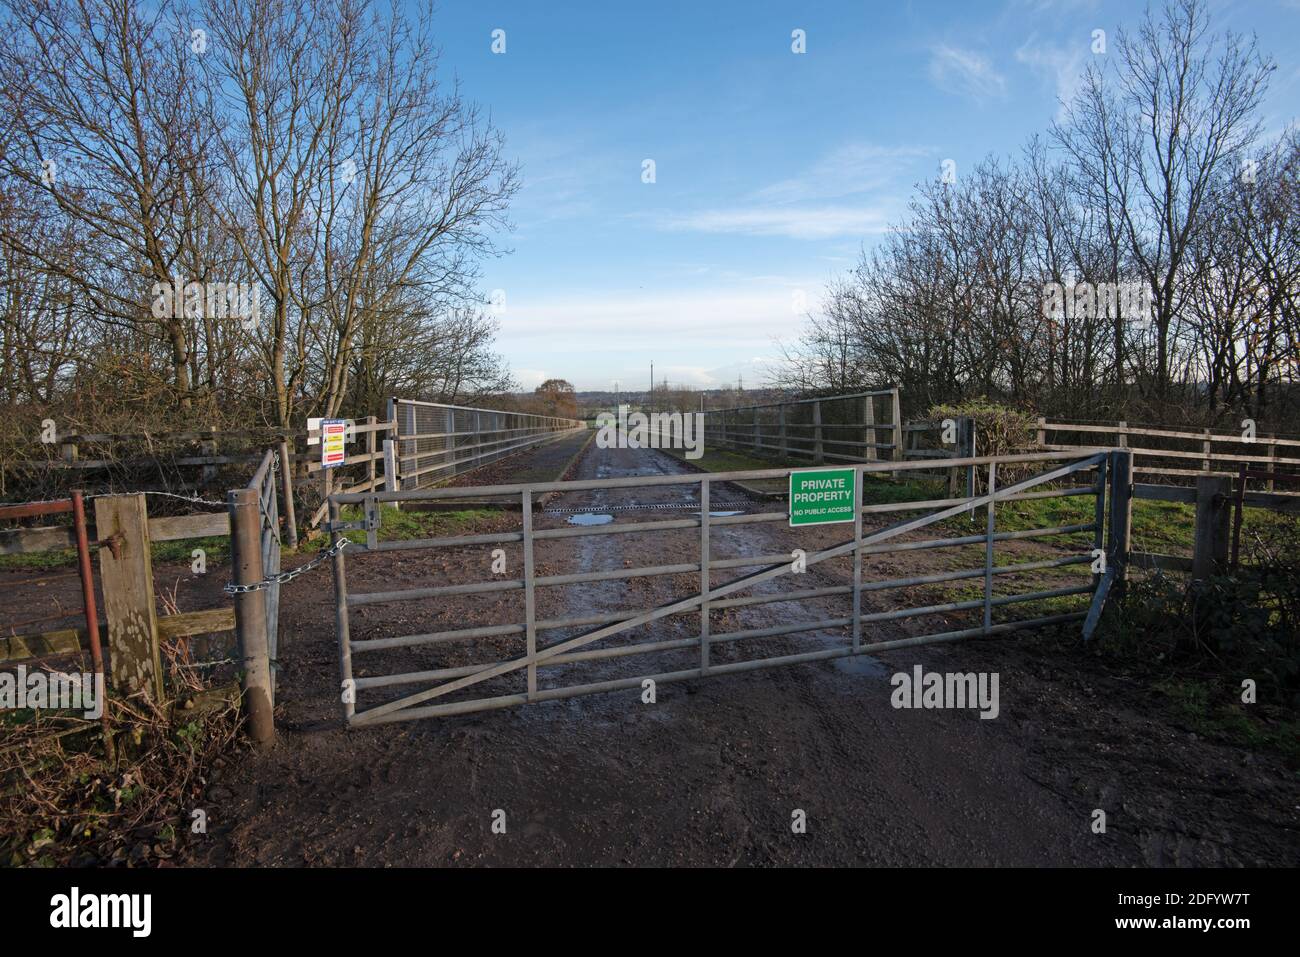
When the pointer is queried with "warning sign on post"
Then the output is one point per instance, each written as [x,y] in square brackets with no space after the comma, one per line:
[822,496]
[333,442]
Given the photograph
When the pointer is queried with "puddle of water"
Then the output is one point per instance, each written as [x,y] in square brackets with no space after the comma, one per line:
[862,665]
[590,518]
[722,514]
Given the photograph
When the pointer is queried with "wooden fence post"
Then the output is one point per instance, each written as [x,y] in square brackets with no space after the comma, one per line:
[208,448]
[1121,518]
[126,575]
[250,613]
[898,429]
[449,443]
[371,422]
[1206,451]
[972,450]
[392,481]
[1042,430]
[286,483]
[326,483]
[869,428]
[818,456]
[1210,554]
[965,449]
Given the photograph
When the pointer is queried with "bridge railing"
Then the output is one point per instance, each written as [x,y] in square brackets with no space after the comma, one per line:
[437,441]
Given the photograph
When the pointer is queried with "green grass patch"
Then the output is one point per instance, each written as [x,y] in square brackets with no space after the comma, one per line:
[1213,708]
[38,561]
[396,525]
[217,549]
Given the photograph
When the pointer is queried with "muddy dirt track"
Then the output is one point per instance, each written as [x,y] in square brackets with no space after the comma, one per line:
[712,772]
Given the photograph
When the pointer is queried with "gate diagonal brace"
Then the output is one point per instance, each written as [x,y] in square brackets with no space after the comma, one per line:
[1098,603]
[727,588]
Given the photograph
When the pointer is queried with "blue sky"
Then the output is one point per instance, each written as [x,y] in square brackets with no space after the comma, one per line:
[772,169]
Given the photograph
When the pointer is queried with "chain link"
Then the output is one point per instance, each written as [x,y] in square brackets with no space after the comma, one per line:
[232,589]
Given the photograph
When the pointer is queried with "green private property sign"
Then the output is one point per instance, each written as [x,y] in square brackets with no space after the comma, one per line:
[822,496]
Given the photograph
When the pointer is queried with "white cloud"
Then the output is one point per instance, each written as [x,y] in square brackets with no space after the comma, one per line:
[531,378]
[753,372]
[845,193]
[822,222]
[693,337]
[852,169]
[966,73]
[1064,66]
[610,321]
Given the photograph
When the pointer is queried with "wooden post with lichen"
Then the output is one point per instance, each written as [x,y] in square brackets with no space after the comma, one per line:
[126,576]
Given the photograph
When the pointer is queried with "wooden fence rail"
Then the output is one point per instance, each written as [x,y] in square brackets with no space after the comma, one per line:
[1201,445]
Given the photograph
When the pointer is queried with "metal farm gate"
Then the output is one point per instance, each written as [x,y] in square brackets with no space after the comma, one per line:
[519,671]
[264,483]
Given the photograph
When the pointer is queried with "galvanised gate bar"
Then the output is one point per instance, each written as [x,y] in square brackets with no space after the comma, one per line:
[1109,469]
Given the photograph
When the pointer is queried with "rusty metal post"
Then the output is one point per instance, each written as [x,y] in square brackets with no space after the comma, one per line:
[92,612]
[250,614]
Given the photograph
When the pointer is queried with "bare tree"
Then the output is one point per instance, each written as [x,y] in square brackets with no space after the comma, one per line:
[1152,132]
[103,123]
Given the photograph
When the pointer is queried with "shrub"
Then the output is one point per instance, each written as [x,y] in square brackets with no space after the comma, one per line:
[999,429]
[1246,622]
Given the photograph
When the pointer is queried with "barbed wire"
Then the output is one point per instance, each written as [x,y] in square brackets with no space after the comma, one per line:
[197,499]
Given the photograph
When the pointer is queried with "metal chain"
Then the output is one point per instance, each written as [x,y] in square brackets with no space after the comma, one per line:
[232,589]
